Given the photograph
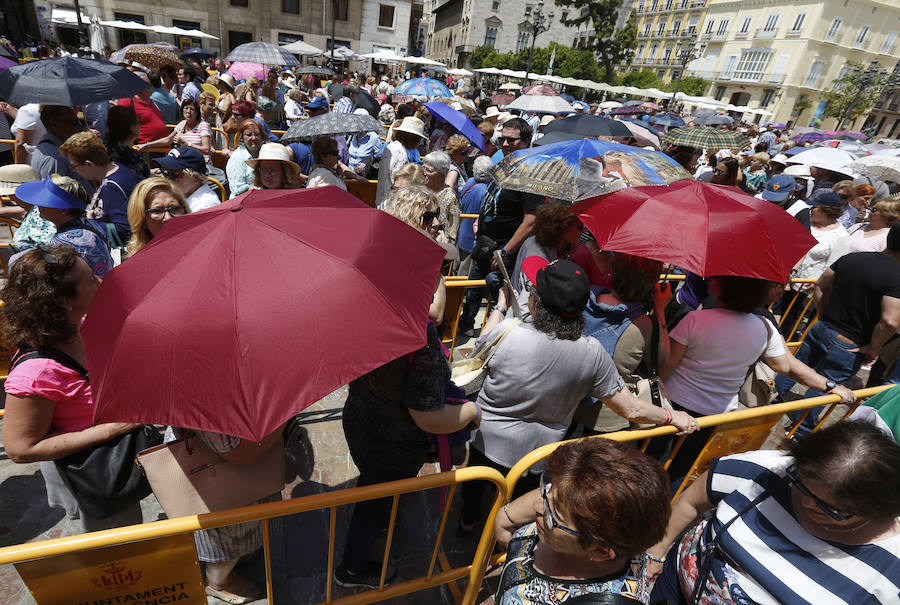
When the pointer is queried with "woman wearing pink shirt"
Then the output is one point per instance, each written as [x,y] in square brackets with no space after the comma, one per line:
[49,406]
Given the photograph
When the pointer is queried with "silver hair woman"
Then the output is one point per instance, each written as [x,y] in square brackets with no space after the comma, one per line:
[436,165]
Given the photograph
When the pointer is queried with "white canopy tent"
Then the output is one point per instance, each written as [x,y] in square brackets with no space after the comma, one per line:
[302,48]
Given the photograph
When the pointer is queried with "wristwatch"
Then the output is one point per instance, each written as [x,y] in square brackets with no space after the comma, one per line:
[829,385]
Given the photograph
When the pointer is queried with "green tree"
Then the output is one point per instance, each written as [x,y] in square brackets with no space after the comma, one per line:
[694,86]
[480,54]
[608,45]
[854,93]
[645,78]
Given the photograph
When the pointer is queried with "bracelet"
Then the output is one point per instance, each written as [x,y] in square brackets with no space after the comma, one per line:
[654,558]
[668,415]
[506,512]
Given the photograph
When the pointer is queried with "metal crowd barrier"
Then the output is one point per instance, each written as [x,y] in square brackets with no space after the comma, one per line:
[736,432]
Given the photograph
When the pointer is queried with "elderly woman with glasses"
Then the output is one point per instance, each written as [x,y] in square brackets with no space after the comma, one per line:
[153,202]
[816,523]
[240,174]
[585,530]
[871,236]
[436,167]
[328,169]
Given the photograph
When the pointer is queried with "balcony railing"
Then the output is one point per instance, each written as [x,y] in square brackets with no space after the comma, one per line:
[793,32]
[720,35]
[698,3]
[762,33]
[742,34]
[706,35]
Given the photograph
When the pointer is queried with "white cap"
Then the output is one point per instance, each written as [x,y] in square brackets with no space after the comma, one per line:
[798,171]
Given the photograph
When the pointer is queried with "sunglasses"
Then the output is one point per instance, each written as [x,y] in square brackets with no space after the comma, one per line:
[428,217]
[823,506]
[509,140]
[552,523]
[158,214]
[845,196]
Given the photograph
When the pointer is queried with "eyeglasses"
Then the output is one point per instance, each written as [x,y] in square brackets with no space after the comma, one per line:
[552,523]
[158,214]
[509,140]
[823,506]
[428,217]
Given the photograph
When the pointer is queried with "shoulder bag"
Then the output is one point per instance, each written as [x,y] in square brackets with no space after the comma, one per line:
[104,478]
[470,373]
[759,385]
[189,478]
[651,389]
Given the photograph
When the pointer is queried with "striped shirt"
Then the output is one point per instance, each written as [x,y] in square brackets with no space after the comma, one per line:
[344,105]
[772,558]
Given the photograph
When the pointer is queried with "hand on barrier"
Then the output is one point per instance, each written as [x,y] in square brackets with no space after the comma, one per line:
[684,422]
[847,396]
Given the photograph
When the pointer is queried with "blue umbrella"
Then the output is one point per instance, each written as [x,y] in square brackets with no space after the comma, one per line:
[655,130]
[199,53]
[795,150]
[67,81]
[575,170]
[262,52]
[568,97]
[422,87]
[667,119]
[458,120]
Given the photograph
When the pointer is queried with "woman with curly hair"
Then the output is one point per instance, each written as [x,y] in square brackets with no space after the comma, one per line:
[49,406]
[539,373]
[153,202]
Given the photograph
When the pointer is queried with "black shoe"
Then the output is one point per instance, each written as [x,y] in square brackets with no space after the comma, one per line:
[368,579]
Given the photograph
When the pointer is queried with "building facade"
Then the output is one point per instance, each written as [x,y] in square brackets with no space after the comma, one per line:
[362,25]
[456,27]
[781,55]
[665,29]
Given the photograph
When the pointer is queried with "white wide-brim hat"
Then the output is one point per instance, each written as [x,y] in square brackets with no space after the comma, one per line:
[277,152]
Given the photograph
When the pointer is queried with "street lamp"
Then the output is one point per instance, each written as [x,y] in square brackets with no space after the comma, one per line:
[687,55]
[537,23]
[863,80]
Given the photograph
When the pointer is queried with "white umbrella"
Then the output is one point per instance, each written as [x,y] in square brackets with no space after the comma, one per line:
[302,48]
[343,53]
[384,55]
[880,167]
[423,61]
[510,86]
[461,72]
[488,70]
[826,158]
[541,104]
[609,105]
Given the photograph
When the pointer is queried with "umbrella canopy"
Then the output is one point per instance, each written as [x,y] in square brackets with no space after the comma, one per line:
[627,110]
[202,329]
[810,137]
[827,158]
[541,104]
[5,52]
[776,125]
[651,106]
[342,53]
[574,170]
[854,147]
[702,137]
[510,86]
[4,63]
[198,52]
[366,101]
[245,71]
[423,87]
[880,167]
[668,120]
[795,150]
[314,69]
[715,119]
[642,133]
[262,52]
[67,81]
[587,125]
[458,120]
[501,99]
[609,105]
[706,229]
[846,135]
[152,56]
[331,124]
[541,90]
[168,46]
[302,48]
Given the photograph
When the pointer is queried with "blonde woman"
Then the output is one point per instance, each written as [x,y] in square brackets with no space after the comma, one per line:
[409,174]
[152,203]
[457,148]
[871,236]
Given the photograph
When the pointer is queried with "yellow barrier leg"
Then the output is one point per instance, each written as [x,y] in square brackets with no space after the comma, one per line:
[267,553]
[329,581]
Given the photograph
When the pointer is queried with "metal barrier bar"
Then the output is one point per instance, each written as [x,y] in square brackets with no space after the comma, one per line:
[12,147]
[268,510]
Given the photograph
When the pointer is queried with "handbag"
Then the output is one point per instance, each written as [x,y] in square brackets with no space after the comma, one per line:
[651,389]
[483,249]
[189,478]
[103,479]
[759,385]
[470,373]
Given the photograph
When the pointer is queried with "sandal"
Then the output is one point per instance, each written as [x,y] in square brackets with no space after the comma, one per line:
[233,598]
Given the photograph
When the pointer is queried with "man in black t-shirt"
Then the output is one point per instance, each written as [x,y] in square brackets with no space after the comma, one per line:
[504,223]
[858,300]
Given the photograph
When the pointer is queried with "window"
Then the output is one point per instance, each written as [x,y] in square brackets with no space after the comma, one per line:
[692,25]
[660,73]
[729,67]
[646,29]
[341,9]
[667,54]
[128,36]
[660,29]
[522,40]
[496,5]
[640,7]
[654,6]
[290,6]
[709,26]
[798,22]
[386,15]
[490,36]
[814,72]
[745,26]
[527,11]
[676,27]
[889,42]
[833,30]
[564,16]
[668,5]
[244,3]
[640,50]
[684,4]
[861,38]
[768,94]
[720,92]
[771,22]
[189,25]
[752,65]
[285,38]
[654,48]
[235,39]
[723,27]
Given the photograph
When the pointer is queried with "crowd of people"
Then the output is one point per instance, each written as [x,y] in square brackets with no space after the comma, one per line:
[574,330]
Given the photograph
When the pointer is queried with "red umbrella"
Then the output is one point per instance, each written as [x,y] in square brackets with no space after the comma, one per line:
[651,106]
[706,229]
[501,99]
[542,90]
[236,318]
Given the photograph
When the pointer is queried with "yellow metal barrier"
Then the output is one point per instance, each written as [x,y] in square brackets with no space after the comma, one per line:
[12,147]
[328,500]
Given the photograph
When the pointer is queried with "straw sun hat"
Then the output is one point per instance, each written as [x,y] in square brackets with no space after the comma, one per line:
[277,152]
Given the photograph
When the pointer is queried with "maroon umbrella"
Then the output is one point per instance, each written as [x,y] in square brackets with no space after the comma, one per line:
[501,99]
[541,90]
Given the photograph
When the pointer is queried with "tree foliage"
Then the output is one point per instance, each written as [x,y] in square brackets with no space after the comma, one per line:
[568,62]
[851,95]
[610,46]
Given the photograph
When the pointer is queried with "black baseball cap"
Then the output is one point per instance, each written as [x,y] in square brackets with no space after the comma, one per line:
[562,286]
